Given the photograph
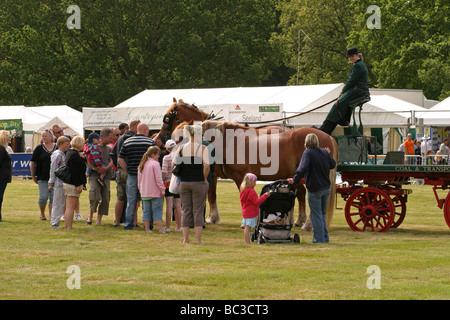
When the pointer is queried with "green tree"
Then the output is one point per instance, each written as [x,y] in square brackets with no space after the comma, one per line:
[411,49]
[124,47]
[313,37]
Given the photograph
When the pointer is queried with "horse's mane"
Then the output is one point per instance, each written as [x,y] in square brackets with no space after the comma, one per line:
[183,104]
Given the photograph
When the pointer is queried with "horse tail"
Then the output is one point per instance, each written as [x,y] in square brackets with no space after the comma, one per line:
[332,197]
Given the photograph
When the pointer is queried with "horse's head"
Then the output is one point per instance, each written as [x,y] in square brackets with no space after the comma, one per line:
[180,112]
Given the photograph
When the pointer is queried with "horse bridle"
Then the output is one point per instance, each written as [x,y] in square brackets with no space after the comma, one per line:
[169,118]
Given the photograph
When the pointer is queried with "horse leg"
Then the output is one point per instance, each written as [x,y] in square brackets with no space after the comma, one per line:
[303,220]
[301,195]
[308,225]
[214,217]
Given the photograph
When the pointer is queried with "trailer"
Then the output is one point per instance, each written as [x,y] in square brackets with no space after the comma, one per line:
[376,194]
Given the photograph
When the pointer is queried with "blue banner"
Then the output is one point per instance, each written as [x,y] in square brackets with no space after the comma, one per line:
[21,164]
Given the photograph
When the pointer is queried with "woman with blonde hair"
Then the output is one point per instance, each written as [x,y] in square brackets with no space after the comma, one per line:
[194,159]
[315,166]
[76,161]
[151,188]
[5,166]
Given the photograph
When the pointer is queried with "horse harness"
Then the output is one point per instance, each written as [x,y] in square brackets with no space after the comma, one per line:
[168,119]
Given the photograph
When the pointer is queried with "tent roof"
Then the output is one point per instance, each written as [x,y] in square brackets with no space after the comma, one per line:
[68,117]
[438,116]
[442,106]
[69,130]
[31,120]
[384,110]
[293,98]
[60,111]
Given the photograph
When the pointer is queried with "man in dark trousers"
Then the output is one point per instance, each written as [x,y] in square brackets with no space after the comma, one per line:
[129,158]
[356,86]
[121,175]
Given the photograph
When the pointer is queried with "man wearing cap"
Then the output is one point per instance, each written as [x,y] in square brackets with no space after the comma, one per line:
[356,86]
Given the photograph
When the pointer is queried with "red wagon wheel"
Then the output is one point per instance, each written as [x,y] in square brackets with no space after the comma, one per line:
[447,210]
[369,208]
[400,210]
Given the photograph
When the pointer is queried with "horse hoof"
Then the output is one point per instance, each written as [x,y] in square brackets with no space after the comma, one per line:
[307,228]
[212,221]
[299,224]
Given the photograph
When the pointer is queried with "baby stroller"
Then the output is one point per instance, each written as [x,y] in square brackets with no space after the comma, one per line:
[276,214]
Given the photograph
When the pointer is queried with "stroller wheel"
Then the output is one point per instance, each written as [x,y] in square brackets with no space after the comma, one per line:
[252,236]
[296,238]
[260,239]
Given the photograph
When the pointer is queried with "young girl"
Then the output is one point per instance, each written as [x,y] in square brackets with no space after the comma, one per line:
[151,187]
[250,203]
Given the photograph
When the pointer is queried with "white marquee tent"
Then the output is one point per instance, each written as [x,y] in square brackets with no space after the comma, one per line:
[72,119]
[31,120]
[438,115]
[151,105]
[34,119]
[68,129]
[389,109]
[384,110]
[293,98]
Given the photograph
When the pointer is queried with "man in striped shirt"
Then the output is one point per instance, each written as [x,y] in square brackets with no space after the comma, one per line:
[129,158]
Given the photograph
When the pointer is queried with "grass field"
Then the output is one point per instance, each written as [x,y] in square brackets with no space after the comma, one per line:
[414,260]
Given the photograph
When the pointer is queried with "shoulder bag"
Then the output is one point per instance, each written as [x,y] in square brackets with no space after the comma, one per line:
[63,173]
[178,165]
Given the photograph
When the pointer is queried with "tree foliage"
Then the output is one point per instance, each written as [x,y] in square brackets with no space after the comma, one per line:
[410,50]
[126,46]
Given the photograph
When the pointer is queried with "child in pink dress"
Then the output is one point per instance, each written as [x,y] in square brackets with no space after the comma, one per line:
[250,203]
[151,188]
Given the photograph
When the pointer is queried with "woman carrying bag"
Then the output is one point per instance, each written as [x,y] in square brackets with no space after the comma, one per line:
[76,161]
[194,185]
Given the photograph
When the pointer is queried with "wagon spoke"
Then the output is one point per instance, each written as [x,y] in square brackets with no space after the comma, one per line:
[380,217]
[356,213]
[381,202]
[357,205]
[358,221]
[368,223]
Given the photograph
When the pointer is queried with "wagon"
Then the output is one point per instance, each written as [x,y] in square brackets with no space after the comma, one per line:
[376,194]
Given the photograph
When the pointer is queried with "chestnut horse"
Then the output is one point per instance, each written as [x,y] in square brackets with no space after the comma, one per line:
[288,161]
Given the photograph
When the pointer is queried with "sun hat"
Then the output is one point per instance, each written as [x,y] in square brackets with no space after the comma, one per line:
[170,144]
